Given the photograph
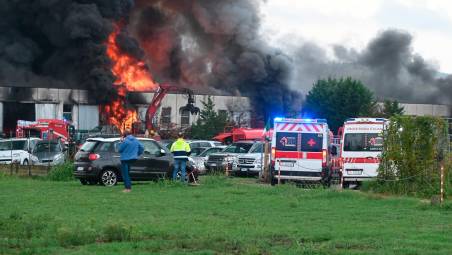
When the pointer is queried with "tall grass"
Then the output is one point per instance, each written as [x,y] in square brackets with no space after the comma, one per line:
[63,172]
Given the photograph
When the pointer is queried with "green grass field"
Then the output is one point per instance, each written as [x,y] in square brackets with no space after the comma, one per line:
[222,216]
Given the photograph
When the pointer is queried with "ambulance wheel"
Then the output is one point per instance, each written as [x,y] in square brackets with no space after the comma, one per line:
[345,185]
[274,181]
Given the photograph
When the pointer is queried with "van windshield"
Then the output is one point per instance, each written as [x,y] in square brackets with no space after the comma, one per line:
[363,142]
[306,142]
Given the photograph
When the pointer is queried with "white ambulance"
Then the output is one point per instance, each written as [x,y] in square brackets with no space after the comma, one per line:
[300,150]
[361,147]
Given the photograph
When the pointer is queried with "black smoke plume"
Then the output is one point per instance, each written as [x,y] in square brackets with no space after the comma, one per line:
[59,44]
[214,45]
[388,66]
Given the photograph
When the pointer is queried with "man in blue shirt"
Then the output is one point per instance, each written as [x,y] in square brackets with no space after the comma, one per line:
[130,149]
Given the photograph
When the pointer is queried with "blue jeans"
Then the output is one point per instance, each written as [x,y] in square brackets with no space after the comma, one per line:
[125,168]
[180,164]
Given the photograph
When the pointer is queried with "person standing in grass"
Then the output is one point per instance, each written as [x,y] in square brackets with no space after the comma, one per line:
[129,149]
[180,149]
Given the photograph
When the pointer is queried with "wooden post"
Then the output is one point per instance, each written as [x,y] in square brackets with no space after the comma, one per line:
[441,195]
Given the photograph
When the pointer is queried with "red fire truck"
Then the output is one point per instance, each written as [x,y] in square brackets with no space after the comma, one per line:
[300,150]
[45,129]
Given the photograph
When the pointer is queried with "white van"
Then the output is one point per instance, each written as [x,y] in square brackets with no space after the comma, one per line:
[300,150]
[361,147]
[18,150]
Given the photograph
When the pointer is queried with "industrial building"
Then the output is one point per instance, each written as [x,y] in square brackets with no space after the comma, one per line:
[27,103]
[24,103]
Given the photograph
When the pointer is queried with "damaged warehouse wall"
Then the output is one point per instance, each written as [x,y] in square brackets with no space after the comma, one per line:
[35,103]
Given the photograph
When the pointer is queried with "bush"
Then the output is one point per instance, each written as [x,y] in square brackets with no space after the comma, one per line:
[62,172]
[414,148]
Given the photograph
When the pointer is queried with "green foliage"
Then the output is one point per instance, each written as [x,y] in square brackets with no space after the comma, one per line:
[75,236]
[339,99]
[117,232]
[63,172]
[413,150]
[210,122]
[390,109]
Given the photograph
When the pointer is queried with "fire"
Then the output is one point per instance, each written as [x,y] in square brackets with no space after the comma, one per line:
[129,71]
[132,75]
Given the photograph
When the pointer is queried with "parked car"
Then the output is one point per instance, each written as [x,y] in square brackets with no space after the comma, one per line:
[18,150]
[201,158]
[226,158]
[251,162]
[49,153]
[98,161]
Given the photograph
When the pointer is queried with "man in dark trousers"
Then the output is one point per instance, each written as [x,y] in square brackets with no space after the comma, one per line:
[130,149]
[180,149]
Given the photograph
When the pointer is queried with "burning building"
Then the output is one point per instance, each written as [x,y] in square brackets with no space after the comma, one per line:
[98,61]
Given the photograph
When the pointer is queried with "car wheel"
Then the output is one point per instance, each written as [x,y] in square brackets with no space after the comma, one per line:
[108,178]
[83,181]
[25,163]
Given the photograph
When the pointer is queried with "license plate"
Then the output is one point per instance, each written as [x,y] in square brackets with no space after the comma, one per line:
[213,164]
[244,169]
[354,172]
[289,164]
[80,168]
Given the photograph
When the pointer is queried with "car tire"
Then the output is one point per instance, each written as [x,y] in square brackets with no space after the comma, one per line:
[108,177]
[25,162]
[83,181]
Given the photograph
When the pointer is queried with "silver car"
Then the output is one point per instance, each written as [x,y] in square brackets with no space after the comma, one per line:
[201,158]
[49,153]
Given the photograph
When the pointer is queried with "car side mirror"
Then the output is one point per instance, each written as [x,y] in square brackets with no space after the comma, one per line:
[162,152]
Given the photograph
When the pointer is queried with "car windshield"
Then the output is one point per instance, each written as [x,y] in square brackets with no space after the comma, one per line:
[363,142]
[238,148]
[257,148]
[47,147]
[14,145]
[209,151]
[88,146]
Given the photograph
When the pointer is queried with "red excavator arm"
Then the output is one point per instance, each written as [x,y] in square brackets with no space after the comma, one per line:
[157,100]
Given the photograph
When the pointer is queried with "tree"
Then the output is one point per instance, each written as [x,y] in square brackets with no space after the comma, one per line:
[390,109]
[339,99]
[210,122]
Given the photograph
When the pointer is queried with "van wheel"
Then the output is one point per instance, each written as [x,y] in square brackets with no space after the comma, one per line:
[345,185]
[108,178]
[83,181]
[274,181]
[25,163]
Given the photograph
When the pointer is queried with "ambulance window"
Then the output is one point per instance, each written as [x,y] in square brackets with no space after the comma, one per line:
[363,142]
[311,142]
[286,141]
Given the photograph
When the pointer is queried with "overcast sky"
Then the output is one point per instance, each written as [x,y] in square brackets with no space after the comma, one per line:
[353,23]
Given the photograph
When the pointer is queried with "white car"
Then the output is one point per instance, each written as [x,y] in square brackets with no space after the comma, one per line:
[18,150]
[251,162]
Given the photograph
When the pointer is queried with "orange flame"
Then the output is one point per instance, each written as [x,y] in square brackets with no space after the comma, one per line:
[132,75]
